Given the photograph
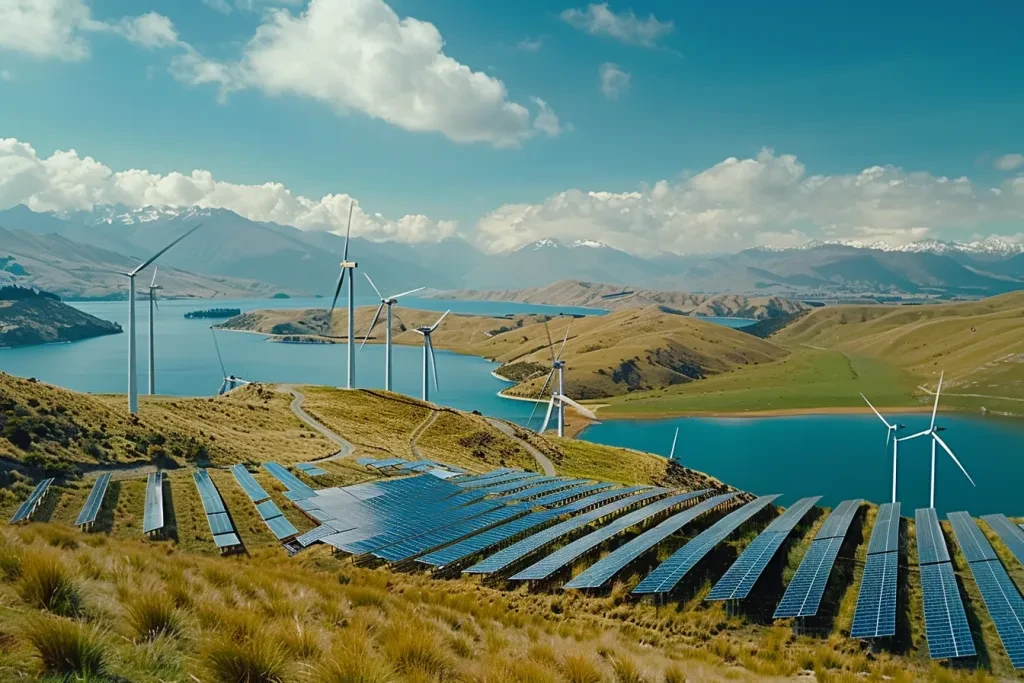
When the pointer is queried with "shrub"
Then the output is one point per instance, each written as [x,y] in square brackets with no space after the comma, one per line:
[47,584]
[253,660]
[151,614]
[67,647]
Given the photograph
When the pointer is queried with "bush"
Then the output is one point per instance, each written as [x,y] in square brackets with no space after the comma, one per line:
[47,584]
[67,648]
[253,660]
[152,614]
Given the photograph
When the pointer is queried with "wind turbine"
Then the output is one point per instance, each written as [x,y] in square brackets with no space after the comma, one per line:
[347,265]
[672,453]
[428,354]
[388,301]
[933,431]
[133,381]
[228,381]
[557,396]
[153,286]
[892,430]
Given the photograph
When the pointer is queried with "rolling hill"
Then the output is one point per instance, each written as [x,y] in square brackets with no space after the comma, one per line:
[28,317]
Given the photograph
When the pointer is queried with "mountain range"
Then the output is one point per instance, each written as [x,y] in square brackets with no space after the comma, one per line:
[263,256]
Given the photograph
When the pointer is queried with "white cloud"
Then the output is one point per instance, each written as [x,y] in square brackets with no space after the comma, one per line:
[769,200]
[530,44]
[1009,162]
[66,180]
[150,30]
[358,55]
[614,81]
[222,6]
[600,20]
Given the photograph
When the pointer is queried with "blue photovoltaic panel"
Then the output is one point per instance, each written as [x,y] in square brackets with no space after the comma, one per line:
[503,558]
[153,517]
[558,497]
[875,616]
[599,573]
[740,578]
[566,554]
[839,521]
[468,478]
[534,491]
[602,497]
[208,493]
[281,527]
[495,481]
[885,535]
[220,523]
[313,471]
[931,546]
[251,487]
[1004,604]
[228,540]
[420,544]
[945,622]
[388,462]
[670,572]
[487,539]
[26,509]
[973,543]
[291,482]
[511,486]
[314,535]
[268,510]
[92,505]
[397,533]
[1009,533]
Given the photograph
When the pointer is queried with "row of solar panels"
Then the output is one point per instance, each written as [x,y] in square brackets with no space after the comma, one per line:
[221,526]
[406,467]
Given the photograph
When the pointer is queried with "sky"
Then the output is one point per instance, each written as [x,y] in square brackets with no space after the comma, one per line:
[651,126]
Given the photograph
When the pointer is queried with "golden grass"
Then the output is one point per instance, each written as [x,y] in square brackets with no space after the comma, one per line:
[470,441]
[379,424]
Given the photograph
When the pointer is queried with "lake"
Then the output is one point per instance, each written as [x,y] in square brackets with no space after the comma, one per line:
[838,457]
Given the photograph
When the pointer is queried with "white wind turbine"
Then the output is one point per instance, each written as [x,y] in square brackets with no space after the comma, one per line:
[892,429]
[153,286]
[672,453]
[228,381]
[347,265]
[933,431]
[133,380]
[558,397]
[388,301]
[428,354]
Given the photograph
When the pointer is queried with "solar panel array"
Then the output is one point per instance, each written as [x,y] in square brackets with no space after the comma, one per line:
[216,514]
[670,572]
[310,470]
[1009,533]
[559,497]
[1002,599]
[875,615]
[542,488]
[296,489]
[94,501]
[443,536]
[740,578]
[945,623]
[602,571]
[804,592]
[566,554]
[275,520]
[249,484]
[153,517]
[26,509]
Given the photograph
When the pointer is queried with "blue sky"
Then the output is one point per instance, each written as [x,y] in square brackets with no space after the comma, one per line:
[842,89]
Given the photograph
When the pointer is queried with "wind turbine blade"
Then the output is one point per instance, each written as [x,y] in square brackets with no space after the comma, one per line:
[581,409]
[551,344]
[348,230]
[434,326]
[223,372]
[948,450]
[152,282]
[376,317]
[888,437]
[938,390]
[547,418]
[374,286]
[564,339]
[672,453]
[541,393]
[914,436]
[433,360]
[876,413]
[337,290]
[160,253]
[411,291]
[156,303]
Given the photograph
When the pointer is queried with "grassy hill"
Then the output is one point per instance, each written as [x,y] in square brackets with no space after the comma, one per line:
[30,317]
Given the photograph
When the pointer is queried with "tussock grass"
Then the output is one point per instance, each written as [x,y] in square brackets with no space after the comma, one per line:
[252,660]
[47,584]
[151,614]
[65,647]
[412,647]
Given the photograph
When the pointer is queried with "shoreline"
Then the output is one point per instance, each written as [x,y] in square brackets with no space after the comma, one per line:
[779,412]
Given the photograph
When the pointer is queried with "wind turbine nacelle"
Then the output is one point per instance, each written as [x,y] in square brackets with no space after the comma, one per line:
[349,264]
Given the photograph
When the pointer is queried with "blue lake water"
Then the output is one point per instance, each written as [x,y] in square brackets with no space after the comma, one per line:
[838,457]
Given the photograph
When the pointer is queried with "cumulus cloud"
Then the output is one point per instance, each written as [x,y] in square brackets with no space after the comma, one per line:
[614,81]
[1009,162]
[768,200]
[626,27]
[65,180]
[149,30]
[359,55]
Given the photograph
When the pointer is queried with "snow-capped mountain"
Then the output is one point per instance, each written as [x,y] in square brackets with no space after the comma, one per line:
[119,214]
[993,246]
[552,243]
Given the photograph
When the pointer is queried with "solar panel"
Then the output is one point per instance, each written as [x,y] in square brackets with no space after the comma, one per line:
[396,533]
[311,470]
[94,501]
[503,558]
[420,544]
[804,592]
[558,497]
[566,554]
[228,540]
[281,527]
[153,517]
[208,493]
[291,482]
[931,547]
[26,509]
[665,577]
[388,462]
[251,487]
[467,478]
[740,578]
[945,622]
[606,496]
[885,535]
[875,615]
[599,573]
[973,543]
[512,486]
[268,509]
[541,489]
[1004,604]
[313,535]
[220,523]
[1009,533]
[487,539]
[494,481]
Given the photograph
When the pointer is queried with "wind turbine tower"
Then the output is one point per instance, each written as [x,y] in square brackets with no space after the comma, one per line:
[428,355]
[892,431]
[347,265]
[133,380]
[153,286]
[387,301]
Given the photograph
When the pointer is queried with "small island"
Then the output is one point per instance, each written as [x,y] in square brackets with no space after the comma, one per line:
[214,313]
[30,316]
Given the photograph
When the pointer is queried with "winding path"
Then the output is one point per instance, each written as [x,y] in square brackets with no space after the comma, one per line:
[542,460]
[418,432]
[345,447]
